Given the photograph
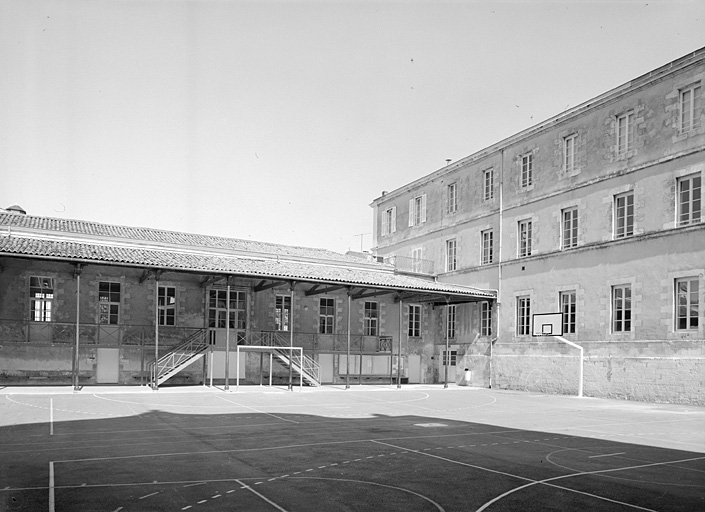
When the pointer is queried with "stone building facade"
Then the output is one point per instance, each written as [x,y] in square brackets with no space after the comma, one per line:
[595,213]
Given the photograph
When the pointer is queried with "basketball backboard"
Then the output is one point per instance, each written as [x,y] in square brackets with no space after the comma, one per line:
[547,324]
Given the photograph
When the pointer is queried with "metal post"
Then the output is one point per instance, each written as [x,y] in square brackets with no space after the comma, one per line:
[270,369]
[347,373]
[401,324]
[155,383]
[78,325]
[291,340]
[237,370]
[227,338]
[446,356]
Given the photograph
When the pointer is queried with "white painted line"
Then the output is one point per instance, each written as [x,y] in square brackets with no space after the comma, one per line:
[51,487]
[193,485]
[261,496]
[606,455]
[148,495]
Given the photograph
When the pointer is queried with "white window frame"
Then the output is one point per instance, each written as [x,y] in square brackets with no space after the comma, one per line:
[568,300]
[41,298]
[417,210]
[487,244]
[166,303]
[452,198]
[689,200]
[414,321]
[389,221]
[451,255]
[569,152]
[524,238]
[523,316]
[218,309]
[569,228]
[622,300]
[624,132]
[687,304]
[107,306]
[451,312]
[370,318]
[488,184]
[527,170]
[689,106]
[624,215]
[485,318]
[282,313]
[326,318]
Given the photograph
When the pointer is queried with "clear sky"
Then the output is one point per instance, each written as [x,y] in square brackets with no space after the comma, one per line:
[281,121]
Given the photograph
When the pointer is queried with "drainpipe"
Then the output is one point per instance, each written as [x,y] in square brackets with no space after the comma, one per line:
[499,254]
[77,274]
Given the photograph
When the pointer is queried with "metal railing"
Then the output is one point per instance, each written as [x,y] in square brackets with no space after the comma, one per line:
[411,265]
[305,365]
[172,361]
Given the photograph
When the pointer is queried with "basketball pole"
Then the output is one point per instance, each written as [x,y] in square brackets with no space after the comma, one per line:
[580,371]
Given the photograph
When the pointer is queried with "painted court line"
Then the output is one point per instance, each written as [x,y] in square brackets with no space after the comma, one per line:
[606,455]
[245,486]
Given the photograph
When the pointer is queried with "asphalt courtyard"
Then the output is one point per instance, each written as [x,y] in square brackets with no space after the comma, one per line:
[379,448]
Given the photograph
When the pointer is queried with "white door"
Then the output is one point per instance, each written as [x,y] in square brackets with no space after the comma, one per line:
[326,362]
[108,366]
[415,375]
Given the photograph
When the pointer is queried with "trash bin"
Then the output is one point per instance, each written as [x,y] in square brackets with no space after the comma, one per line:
[467,377]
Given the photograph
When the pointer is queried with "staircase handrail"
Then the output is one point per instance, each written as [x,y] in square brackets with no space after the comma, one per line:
[192,345]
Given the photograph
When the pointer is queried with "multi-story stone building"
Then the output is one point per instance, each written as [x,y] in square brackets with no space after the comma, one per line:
[595,213]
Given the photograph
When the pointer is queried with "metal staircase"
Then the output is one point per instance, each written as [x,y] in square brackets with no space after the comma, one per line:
[178,358]
[305,366]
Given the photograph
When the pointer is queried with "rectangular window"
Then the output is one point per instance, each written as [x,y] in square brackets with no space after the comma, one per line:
[523,316]
[569,144]
[417,259]
[687,303]
[485,319]
[489,184]
[625,133]
[568,308]
[414,320]
[282,312]
[527,170]
[389,221]
[326,315]
[218,309]
[451,255]
[524,238]
[109,303]
[370,318]
[487,247]
[624,215]
[450,323]
[450,357]
[417,210]
[41,298]
[689,200]
[690,104]
[166,305]
[622,308]
[452,198]
[570,228]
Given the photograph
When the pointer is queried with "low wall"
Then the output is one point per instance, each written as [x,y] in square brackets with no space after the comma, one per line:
[653,371]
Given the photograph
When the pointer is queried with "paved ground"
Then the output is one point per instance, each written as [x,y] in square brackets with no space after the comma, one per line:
[367,448]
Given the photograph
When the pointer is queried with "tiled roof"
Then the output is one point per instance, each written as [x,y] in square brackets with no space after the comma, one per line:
[178,258]
[159,236]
